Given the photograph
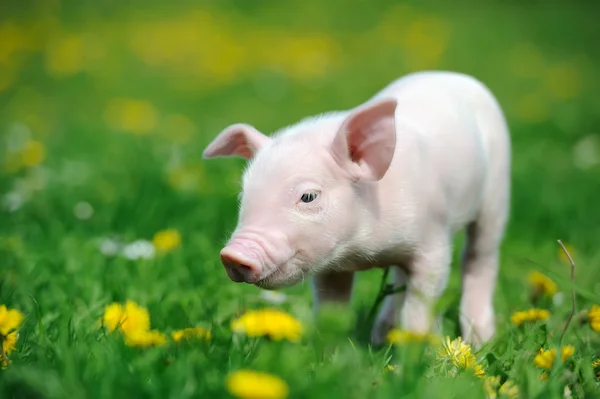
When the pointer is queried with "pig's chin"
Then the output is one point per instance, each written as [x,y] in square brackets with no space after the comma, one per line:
[281,279]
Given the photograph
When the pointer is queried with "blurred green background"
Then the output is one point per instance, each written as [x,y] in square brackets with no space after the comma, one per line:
[106,106]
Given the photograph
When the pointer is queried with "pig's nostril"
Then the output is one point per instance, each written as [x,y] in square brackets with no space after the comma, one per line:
[238,270]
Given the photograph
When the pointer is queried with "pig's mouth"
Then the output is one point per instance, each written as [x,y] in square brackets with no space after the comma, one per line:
[285,275]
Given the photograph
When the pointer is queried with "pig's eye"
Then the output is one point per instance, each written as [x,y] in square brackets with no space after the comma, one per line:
[308,197]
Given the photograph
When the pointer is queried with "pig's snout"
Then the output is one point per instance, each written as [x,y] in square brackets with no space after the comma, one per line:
[241,263]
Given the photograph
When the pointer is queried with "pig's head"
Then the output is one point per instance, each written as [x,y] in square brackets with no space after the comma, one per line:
[303,203]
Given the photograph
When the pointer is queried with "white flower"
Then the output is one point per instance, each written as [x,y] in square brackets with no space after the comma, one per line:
[83,210]
[139,249]
[17,135]
[13,201]
[558,298]
[109,247]
[586,152]
[273,297]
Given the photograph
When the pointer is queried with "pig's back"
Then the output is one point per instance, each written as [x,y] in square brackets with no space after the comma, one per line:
[462,137]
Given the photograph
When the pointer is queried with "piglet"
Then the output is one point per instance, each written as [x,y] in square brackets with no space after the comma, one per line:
[385,184]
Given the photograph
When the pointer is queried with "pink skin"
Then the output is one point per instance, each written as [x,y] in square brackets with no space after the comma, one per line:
[281,238]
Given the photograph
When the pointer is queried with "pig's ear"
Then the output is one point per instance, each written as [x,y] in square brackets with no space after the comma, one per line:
[240,140]
[365,143]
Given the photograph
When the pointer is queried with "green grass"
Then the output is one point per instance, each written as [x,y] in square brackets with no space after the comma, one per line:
[540,60]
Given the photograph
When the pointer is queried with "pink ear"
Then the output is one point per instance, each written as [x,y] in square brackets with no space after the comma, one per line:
[365,143]
[239,139]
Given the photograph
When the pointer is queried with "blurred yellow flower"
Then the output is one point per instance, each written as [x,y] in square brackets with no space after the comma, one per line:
[178,128]
[478,371]
[594,317]
[596,364]
[530,315]
[7,77]
[397,336]
[129,318]
[10,320]
[65,55]
[425,40]
[562,256]
[563,81]
[166,240]
[509,390]
[9,343]
[134,322]
[144,338]
[33,153]
[249,384]
[542,283]
[459,353]
[532,107]
[14,40]
[191,333]
[131,115]
[490,386]
[545,358]
[273,323]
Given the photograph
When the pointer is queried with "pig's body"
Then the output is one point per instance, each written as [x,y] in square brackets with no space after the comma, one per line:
[393,180]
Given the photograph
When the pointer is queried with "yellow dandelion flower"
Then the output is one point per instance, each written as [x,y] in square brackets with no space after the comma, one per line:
[563,81]
[596,364]
[530,315]
[399,337]
[542,283]
[493,387]
[33,153]
[9,343]
[533,107]
[65,56]
[490,386]
[509,390]
[458,352]
[273,323]
[166,240]
[10,319]
[129,318]
[131,115]
[248,384]
[478,371]
[144,338]
[594,317]
[545,358]
[191,333]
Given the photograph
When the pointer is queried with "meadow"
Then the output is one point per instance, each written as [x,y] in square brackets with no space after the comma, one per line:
[111,223]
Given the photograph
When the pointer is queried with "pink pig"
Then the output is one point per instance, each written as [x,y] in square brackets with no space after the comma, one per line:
[386,184]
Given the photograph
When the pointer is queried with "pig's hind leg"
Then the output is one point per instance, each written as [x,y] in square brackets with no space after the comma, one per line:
[480,263]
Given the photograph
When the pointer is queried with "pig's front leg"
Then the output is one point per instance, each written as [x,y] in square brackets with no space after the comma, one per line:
[390,309]
[429,272]
[332,287]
